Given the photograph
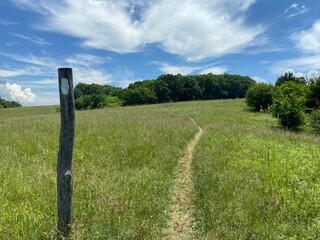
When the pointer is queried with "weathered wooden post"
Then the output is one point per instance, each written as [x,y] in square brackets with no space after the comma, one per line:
[64,164]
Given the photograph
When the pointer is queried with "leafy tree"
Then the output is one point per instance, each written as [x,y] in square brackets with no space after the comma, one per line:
[289,104]
[83,102]
[259,96]
[289,77]
[139,96]
[98,101]
[175,84]
[162,91]
[165,88]
[313,100]
[113,101]
[8,104]
[191,89]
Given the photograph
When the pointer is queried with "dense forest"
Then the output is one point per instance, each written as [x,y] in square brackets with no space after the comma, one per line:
[164,89]
[8,104]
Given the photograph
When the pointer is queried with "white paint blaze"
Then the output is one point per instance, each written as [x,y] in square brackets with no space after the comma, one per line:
[64,86]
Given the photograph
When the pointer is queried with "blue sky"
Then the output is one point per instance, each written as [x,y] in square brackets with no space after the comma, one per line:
[117,42]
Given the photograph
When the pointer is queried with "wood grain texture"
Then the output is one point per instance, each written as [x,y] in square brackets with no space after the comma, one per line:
[64,163]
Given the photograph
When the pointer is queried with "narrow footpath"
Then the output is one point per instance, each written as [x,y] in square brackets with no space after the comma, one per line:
[181,216]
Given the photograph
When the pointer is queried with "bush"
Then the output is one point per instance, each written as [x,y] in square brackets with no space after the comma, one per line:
[289,104]
[259,96]
[313,100]
[114,101]
[315,121]
[8,104]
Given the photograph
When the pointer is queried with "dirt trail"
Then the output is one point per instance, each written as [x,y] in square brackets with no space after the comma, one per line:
[181,219]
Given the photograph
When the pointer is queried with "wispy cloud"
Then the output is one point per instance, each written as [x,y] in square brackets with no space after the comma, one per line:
[308,40]
[86,67]
[214,70]
[193,29]
[294,10]
[87,59]
[32,59]
[190,69]
[307,43]
[303,64]
[5,22]
[33,39]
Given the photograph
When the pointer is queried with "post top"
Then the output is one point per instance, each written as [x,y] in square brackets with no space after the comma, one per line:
[65,68]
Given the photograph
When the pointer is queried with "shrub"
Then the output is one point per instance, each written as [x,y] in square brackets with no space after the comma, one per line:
[289,104]
[315,121]
[114,101]
[259,96]
[313,100]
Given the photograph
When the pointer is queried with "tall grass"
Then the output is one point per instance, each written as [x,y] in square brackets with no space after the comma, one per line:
[254,181]
[251,179]
[123,169]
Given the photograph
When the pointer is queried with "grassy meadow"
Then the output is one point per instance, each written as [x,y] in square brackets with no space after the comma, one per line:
[251,179]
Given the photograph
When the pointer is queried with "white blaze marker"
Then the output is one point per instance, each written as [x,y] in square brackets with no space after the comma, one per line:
[64,86]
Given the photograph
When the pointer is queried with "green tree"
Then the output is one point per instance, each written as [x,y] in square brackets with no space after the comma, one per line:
[9,104]
[259,96]
[139,96]
[162,91]
[289,77]
[191,89]
[83,102]
[313,100]
[289,104]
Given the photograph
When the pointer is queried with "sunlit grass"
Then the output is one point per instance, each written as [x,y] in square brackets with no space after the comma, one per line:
[252,180]
[123,169]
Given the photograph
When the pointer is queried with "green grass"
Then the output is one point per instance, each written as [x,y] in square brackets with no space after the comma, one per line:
[252,180]
[123,168]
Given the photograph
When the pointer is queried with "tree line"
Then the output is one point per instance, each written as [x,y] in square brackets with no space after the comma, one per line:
[164,89]
[8,104]
[294,101]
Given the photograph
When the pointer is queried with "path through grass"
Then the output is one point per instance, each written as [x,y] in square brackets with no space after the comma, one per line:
[181,218]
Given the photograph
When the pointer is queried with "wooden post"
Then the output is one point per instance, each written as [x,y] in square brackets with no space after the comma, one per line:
[64,164]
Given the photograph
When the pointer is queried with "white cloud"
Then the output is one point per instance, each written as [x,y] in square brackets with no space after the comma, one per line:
[86,67]
[14,92]
[294,10]
[259,79]
[302,64]
[193,29]
[197,30]
[308,40]
[307,43]
[214,70]
[170,69]
[90,75]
